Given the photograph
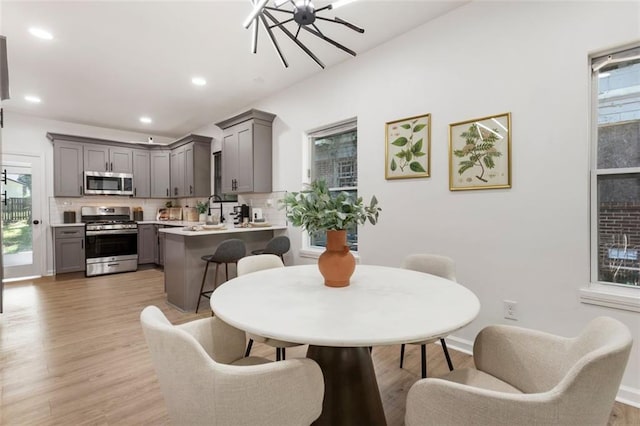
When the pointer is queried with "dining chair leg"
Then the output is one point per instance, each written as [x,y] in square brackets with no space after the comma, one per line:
[401,355]
[423,355]
[446,354]
[249,345]
[204,277]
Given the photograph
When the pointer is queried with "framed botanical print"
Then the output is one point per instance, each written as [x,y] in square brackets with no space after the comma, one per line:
[408,147]
[480,153]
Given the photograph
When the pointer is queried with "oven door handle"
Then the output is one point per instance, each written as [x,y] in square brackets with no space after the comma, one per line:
[112,232]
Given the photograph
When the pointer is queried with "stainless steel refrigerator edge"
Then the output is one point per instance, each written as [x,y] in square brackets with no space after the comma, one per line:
[4,94]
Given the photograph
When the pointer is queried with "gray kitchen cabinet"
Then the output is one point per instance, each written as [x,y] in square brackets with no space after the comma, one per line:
[191,168]
[147,244]
[246,152]
[67,169]
[68,243]
[160,245]
[160,177]
[141,173]
[102,158]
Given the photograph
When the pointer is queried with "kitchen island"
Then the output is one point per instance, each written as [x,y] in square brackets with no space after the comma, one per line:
[183,266]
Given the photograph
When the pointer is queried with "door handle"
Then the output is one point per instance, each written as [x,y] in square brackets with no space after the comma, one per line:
[36,222]
[4,197]
[4,176]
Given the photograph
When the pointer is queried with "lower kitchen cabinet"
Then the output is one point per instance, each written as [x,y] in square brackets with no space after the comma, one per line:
[69,253]
[147,244]
[160,245]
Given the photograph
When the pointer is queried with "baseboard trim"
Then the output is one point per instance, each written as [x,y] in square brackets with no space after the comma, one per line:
[626,394]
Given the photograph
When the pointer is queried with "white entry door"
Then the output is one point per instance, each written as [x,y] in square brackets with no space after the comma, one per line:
[22,228]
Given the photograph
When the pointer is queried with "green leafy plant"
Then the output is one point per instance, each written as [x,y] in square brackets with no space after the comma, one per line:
[202,207]
[479,151]
[410,149]
[317,210]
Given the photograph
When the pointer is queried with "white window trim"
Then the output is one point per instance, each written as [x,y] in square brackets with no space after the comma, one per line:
[598,293]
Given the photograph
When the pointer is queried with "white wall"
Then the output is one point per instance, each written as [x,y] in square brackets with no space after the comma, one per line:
[529,243]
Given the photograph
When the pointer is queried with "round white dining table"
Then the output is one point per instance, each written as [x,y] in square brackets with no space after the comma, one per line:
[381,306]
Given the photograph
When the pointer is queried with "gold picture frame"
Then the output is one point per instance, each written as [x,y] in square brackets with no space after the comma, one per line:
[480,153]
[408,147]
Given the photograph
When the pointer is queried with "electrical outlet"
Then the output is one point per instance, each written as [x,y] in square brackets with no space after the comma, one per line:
[511,310]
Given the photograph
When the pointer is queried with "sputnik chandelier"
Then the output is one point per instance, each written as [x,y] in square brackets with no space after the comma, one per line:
[303,14]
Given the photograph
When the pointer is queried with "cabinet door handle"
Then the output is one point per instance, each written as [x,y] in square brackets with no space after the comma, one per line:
[82,244]
[190,189]
[167,192]
[1,118]
[135,191]
[111,166]
[106,166]
[80,189]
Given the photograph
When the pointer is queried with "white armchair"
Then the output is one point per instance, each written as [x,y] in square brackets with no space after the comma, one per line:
[206,380]
[526,377]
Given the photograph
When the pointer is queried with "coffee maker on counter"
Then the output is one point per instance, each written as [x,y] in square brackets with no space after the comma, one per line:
[241,215]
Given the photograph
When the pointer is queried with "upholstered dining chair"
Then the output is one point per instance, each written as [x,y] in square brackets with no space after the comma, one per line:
[206,380]
[526,377]
[441,266]
[260,262]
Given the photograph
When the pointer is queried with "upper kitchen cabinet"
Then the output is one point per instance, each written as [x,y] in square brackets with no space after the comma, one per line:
[190,166]
[141,173]
[246,152]
[67,169]
[160,178]
[101,158]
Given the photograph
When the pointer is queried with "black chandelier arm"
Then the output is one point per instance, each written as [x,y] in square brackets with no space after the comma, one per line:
[273,39]
[317,29]
[329,6]
[296,41]
[330,41]
[279,24]
[337,20]
[298,31]
[275,9]
[254,36]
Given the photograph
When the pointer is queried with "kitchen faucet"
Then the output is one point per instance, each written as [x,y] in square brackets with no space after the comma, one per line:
[216,198]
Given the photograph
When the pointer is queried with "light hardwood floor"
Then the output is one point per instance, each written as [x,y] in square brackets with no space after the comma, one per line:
[72,353]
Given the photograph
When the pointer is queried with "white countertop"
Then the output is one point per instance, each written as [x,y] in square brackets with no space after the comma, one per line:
[63,225]
[382,306]
[227,230]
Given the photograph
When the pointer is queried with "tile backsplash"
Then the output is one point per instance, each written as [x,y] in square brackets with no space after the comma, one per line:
[267,202]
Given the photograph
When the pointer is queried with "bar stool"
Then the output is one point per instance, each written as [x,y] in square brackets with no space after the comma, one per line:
[277,245]
[229,251]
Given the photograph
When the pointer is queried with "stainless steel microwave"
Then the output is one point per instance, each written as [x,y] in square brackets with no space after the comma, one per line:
[107,183]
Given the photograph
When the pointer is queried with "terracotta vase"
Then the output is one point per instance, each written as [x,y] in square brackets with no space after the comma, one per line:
[336,263]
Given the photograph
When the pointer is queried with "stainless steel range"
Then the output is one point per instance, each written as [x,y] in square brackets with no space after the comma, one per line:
[111,240]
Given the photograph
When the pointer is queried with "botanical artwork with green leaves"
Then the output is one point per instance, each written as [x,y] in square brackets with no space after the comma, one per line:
[480,152]
[408,143]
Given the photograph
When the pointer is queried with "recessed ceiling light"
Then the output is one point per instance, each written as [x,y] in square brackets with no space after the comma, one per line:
[198,81]
[145,120]
[33,99]
[40,33]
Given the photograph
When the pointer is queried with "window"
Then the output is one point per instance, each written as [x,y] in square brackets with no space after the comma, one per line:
[334,158]
[615,188]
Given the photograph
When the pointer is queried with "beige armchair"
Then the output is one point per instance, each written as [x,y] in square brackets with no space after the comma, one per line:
[206,380]
[526,377]
[260,262]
